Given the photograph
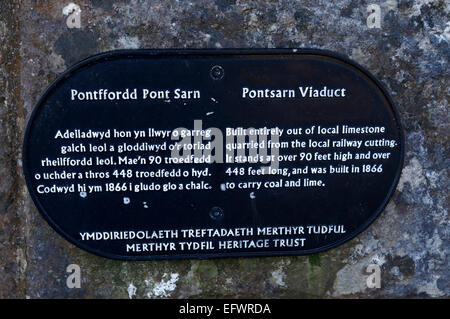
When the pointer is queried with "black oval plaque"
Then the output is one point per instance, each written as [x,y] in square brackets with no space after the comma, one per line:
[202,153]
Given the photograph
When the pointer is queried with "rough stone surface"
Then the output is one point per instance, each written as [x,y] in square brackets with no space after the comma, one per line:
[409,54]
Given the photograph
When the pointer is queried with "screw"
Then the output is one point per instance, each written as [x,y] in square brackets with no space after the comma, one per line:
[217,72]
[216,213]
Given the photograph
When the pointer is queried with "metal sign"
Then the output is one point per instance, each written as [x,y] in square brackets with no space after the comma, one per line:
[148,154]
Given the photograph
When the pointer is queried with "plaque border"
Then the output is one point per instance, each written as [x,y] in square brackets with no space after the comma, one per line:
[105,56]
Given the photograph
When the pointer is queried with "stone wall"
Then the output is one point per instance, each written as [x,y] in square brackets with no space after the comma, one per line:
[409,52]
